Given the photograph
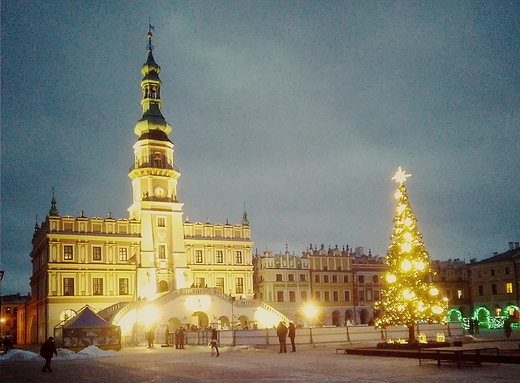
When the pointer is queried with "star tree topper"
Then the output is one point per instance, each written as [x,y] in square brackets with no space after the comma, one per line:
[401,176]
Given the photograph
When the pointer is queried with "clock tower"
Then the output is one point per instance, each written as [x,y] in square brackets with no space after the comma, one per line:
[154,182]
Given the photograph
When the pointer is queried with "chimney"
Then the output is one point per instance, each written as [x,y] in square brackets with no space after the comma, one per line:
[511,246]
[517,245]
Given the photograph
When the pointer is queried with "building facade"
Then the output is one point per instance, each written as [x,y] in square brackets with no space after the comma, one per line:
[342,284]
[452,277]
[107,262]
[9,314]
[495,285]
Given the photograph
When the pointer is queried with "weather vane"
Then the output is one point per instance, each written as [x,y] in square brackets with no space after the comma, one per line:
[401,176]
[149,46]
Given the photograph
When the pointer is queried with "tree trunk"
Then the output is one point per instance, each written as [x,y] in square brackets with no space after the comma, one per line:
[411,334]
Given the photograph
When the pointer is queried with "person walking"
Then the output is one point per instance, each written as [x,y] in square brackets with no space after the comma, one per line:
[214,341]
[150,335]
[507,327]
[292,335]
[47,349]
[281,331]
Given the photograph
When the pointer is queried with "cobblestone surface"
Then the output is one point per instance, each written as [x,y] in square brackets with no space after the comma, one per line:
[247,364]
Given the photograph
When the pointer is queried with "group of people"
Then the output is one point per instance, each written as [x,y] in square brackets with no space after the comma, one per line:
[282,331]
[473,326]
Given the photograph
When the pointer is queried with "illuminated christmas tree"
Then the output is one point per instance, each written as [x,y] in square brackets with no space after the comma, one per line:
[409,295]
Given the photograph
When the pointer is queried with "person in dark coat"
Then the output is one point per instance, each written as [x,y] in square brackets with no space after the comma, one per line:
[214,341]
[46,351]
[182,337]
[292,335]
[281,331]
[150,335]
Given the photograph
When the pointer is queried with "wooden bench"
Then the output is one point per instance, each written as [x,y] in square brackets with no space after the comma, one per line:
[457,354]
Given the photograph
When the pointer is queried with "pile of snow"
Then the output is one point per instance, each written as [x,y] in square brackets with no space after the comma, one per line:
[90,352]
[15,355]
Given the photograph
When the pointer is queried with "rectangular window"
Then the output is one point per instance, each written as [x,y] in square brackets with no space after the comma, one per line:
[361,295]
[278,277]
[361,278]
[347,296]
[220,257]
[198,256]
[162,251]
[375,278]
[345,279]
[123,286]
[325,279]
[376,295]
[239,286]
[238,257]
[335,296]
[334,279]
[123,254]
[302,278]
[200,282]
[161,222]
[279,296]
[291,277]
[303,295]
[68,286]
[459,294]
[318,296]
[68,253]
[97,286]
[219,284]
[481,290]
[494,289]
[327,296]
[96,253]
[506,270]
[317,278]
[292,296]
[492,272]
[509,288]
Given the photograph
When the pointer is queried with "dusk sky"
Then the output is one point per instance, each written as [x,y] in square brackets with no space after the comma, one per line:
[304,110]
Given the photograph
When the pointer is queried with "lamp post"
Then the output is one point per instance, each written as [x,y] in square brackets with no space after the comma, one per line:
[447,300]
[310,312]
[1,318]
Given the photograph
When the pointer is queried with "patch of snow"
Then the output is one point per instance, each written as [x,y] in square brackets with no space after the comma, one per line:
[16,355]
[95,352]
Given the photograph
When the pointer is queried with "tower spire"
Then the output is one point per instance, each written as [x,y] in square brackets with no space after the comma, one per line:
[53,212]
[245,221]
[152,124]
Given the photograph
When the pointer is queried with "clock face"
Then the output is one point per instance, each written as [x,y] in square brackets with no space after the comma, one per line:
[159,192]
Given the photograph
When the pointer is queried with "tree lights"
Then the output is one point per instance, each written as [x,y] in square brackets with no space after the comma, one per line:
[409,295]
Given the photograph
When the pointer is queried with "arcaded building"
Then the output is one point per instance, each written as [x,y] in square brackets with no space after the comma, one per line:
[197,274]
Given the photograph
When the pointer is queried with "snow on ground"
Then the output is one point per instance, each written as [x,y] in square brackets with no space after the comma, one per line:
[63,354]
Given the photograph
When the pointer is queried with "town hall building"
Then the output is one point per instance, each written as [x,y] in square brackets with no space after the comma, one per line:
[182,273]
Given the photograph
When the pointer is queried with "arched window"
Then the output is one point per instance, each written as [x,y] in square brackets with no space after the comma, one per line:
[157,160]
[163,286]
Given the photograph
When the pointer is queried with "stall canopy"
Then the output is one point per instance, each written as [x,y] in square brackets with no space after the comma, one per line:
[87,328]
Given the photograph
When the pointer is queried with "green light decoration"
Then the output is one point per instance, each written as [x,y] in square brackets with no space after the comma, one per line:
[409,296]
[450,313]
[513,312]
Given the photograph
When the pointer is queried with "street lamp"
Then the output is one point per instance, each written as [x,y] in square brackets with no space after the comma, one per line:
[447,300]
[310,312]
[1,318]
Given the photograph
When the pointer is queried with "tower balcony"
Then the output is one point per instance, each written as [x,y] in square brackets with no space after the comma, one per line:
[153,165]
